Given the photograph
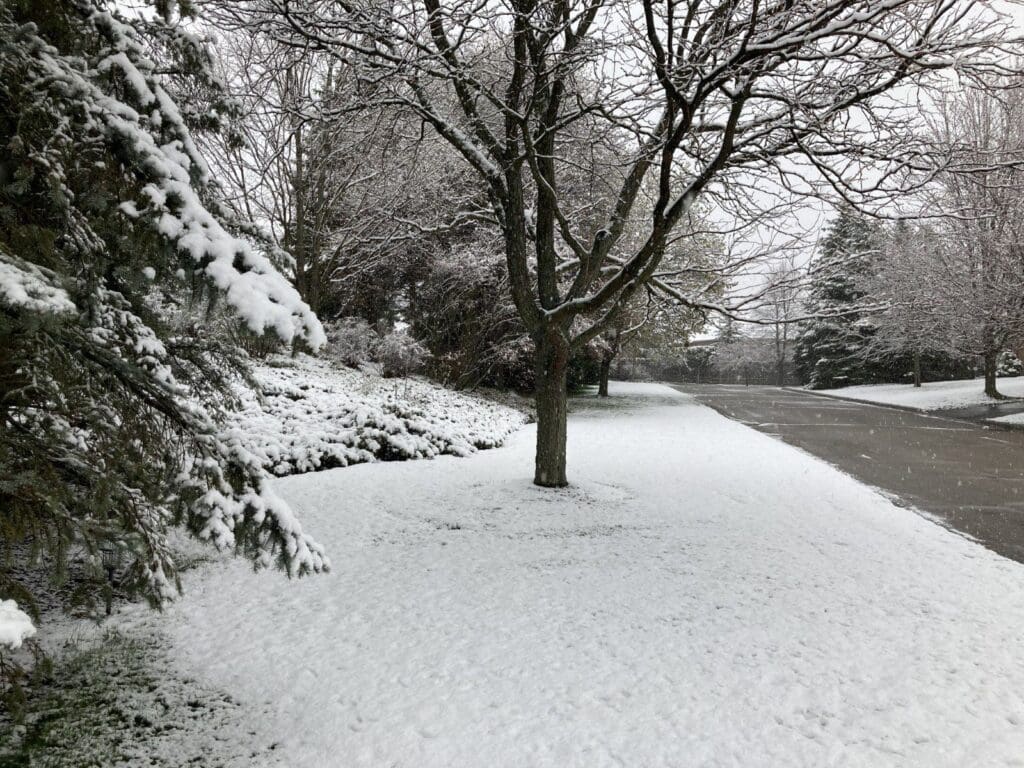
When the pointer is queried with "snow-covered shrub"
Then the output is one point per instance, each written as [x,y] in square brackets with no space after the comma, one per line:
[1009,364]
[351,341]
[400,354]
[313,415]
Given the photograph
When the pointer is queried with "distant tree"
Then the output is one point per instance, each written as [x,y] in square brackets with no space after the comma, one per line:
[780,306]
[913,330]
[829,347]
[747,357]
[978,258]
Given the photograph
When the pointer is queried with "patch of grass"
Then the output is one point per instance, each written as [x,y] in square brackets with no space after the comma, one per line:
[117,703]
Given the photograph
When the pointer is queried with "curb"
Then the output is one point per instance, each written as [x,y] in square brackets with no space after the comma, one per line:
[934,413]
[891,406]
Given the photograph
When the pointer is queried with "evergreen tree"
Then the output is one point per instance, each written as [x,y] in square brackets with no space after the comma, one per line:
[828,351]
[111,238]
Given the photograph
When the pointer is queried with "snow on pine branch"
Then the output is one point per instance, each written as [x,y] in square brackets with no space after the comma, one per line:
[27,287]
[15,625]
[138,118]
[314,416]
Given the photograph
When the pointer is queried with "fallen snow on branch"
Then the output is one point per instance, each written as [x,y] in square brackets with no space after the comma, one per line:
[316,416]
[932,396]
[15,625]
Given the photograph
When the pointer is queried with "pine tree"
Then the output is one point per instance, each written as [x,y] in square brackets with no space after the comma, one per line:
[828,351]
[111,239]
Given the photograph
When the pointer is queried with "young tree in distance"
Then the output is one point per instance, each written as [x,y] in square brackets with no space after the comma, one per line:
[781,305]
[914,328]
[706,95]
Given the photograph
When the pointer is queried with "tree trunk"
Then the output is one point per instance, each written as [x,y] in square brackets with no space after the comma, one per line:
[602,384]
[917,369]
[991,362]
[552,367]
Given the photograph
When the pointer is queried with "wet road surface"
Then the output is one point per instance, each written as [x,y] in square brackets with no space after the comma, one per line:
[969,476]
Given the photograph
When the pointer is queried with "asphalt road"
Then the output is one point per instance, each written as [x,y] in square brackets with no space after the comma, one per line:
[969,476]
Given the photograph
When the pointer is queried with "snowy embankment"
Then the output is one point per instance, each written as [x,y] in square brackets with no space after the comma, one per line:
[932,396]
[316,416]
[701,595]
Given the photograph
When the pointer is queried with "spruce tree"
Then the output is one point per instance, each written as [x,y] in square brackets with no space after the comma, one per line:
[112,245]
[829,347]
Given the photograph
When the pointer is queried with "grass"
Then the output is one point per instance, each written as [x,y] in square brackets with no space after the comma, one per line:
[117,702]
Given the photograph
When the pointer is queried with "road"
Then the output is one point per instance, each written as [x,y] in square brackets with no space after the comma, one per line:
[969,476]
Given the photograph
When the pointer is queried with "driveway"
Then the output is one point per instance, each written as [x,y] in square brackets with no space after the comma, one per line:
[969,476]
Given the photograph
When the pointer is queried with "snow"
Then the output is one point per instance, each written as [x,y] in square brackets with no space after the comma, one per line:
[930,396]
[700,595]
[313,415]
[15,625]
[169,162]
[1013,419]
[27,287]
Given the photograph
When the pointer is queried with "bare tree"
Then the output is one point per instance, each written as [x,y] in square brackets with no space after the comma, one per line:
[915,322]
[711,96]
[977,254]
[353,195]
[782,305]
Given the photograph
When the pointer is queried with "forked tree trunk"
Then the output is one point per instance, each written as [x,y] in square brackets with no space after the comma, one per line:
[991,363]
[552,367]
[917,369]
[602,383]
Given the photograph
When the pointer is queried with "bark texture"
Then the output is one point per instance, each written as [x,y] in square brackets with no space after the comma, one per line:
[991,363]
[552,368]
[602,384]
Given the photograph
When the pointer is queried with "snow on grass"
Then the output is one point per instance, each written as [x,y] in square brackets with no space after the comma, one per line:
[931,396]
[317,416]
[113,700]
[701,595]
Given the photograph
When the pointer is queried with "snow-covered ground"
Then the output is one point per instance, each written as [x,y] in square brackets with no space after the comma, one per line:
[1013,419]
[315,415]
[702,595]
[931,396]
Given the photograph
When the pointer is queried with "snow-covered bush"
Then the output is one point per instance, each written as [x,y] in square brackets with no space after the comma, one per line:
[111,419]
[351,341]
[1009,364]
[313,415]
[400,354]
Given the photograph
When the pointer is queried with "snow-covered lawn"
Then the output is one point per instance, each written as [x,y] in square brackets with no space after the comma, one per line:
[702,595]
[1013,419]
[931,396]
[314,415]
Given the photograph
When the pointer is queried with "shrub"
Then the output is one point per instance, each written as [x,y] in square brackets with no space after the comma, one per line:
[351,341]
[400,354]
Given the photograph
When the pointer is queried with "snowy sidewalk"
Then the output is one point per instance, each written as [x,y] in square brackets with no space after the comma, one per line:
[703,595]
